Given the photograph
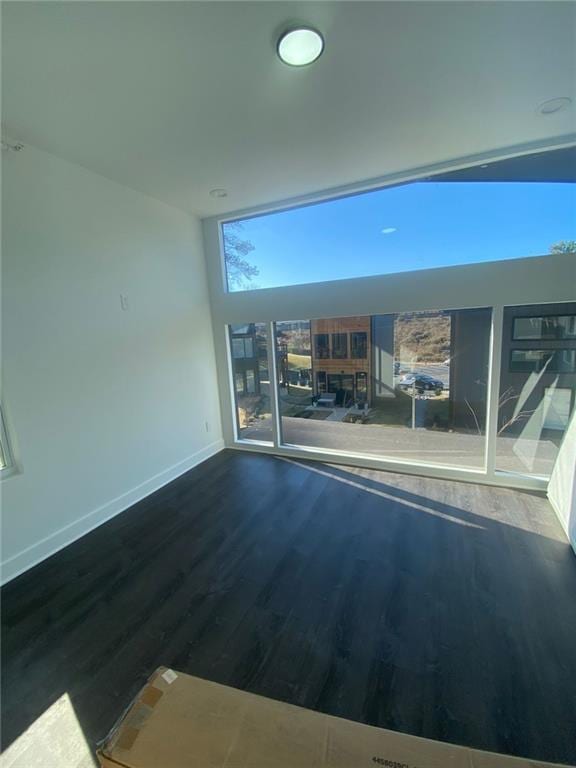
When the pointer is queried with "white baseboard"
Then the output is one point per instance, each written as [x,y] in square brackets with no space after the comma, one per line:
[40,550]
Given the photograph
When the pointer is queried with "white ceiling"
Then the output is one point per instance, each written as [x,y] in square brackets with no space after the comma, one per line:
[176,98]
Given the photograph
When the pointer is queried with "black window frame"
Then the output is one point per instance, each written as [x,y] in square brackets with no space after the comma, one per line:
[243,339]
[355,345]
[541,337]
[361,376]
[553,367]
[336,343]
[321,351]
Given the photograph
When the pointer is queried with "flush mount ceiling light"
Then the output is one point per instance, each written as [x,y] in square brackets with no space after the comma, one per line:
[218,193]
[552,106]
[299,47]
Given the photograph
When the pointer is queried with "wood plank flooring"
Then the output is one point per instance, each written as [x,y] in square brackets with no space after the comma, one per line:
[441,609]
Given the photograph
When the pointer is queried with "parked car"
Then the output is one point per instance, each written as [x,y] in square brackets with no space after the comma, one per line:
[421,382]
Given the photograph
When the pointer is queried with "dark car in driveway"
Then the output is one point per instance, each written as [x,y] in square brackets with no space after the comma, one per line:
[421,382]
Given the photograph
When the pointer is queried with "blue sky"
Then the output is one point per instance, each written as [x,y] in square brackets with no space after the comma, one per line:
[415,226]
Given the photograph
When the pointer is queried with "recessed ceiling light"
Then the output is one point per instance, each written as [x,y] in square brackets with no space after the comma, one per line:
[218,193]
[552,106]
[301,46]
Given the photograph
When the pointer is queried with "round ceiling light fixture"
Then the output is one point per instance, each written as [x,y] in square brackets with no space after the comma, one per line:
[552,106]
[301,46]
[218,193]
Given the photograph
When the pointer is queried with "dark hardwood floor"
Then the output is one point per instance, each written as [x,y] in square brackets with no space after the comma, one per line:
[434,608]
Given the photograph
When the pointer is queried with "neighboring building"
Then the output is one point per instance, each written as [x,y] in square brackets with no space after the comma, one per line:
[538,373]
[353,357]
[469,351]
[341,352]
[246,356]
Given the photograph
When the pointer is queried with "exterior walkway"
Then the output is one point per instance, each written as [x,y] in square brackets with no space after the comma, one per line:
[417,445]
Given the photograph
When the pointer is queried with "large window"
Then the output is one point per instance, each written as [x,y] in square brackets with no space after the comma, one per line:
[549,360]
[544,328]
[242,347]
[359,344]
[435,223]
[339,346]
[248,345]
[537,386]
[418,395]
[322,346]
[418,387]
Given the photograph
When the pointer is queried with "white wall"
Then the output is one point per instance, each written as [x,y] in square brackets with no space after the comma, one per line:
[103,405]
[562,486]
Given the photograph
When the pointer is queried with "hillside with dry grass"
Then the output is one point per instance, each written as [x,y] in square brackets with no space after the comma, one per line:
[422,337]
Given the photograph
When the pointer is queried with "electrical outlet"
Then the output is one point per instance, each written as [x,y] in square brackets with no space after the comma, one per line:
[124,302]
[207,425]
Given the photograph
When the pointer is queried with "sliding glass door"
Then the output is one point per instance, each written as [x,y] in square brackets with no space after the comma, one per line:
[411,387]
[251,381]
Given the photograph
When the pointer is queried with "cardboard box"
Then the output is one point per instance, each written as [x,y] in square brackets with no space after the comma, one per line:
[178,721]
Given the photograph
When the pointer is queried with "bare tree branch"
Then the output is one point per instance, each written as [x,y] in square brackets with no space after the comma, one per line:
[239,271]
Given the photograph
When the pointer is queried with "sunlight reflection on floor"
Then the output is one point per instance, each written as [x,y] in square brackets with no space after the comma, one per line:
[363,486]
[54,740]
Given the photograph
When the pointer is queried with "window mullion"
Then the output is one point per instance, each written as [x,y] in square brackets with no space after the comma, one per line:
[274,399]
[494,364]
